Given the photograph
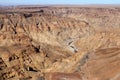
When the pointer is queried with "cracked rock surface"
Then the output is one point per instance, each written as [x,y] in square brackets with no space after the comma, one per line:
[59,43]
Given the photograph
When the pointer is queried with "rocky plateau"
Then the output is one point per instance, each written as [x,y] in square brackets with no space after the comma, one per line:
[59,43]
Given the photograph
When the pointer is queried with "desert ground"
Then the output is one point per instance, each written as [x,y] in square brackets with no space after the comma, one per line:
[60,42]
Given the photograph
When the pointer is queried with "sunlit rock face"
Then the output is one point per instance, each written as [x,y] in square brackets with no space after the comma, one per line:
[59,43]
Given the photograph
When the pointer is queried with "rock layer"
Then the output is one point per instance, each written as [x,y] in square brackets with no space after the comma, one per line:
[80,43]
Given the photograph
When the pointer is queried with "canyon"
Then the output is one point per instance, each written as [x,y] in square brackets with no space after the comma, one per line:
[59,43]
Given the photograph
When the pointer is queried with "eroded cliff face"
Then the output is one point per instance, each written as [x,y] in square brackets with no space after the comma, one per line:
[56,43]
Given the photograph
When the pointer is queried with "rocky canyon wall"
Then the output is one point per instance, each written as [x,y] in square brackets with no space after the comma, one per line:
[60,43]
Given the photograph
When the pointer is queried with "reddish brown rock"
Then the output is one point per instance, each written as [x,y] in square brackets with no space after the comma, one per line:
[103,64]
[39,40]
[63,76]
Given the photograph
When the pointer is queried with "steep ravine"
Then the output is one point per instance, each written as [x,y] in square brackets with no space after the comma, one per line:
[44,45]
